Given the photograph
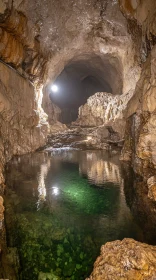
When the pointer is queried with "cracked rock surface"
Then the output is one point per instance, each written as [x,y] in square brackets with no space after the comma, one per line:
[126,259]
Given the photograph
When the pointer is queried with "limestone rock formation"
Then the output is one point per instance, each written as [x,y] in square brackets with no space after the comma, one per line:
[141,112]
[21,129]
[104,109]
[19,45]
[143,11]
[126,259]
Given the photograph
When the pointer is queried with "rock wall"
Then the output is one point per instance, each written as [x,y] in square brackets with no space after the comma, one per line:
[141,113]
[143,11]
[20,123]
[143,14]
[53,112]
[19,43]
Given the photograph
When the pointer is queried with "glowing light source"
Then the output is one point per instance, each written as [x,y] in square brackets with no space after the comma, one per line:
[54,88]
[55,190]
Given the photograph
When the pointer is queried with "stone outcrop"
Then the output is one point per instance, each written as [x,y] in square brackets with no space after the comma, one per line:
[104,109]
[126,259]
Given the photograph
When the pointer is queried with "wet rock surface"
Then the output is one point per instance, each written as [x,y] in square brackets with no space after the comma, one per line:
[102,137]
[126,259]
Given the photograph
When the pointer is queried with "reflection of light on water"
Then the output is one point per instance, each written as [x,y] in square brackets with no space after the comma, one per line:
[89,156]
[55,190]
[41,182]
[104,171]
[100,171]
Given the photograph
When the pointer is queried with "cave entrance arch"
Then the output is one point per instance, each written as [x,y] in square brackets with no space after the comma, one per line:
[82,77]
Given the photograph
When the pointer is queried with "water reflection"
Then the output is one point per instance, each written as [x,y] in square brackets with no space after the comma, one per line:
[62,206]
[98,169]
[99,166]
[41,181]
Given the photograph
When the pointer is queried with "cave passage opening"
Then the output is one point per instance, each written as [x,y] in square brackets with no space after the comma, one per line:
[81,78]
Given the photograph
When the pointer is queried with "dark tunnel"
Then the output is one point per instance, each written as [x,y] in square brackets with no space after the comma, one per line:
[80,79]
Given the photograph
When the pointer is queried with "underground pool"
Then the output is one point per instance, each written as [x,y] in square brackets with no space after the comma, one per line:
[61,206]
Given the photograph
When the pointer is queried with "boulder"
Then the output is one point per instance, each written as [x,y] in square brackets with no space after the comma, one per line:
[127,259]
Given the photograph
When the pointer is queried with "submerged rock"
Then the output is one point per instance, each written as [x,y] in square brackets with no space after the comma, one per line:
[127,259]
[47,276]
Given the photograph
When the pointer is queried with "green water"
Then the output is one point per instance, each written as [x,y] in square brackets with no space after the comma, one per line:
[61,207]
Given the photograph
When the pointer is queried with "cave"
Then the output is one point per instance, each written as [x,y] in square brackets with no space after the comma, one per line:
[82,77]
[77,139]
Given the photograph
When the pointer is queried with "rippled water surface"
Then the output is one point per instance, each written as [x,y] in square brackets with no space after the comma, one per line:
[61,207]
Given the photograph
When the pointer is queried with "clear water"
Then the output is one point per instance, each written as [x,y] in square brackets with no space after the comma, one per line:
[61,207]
